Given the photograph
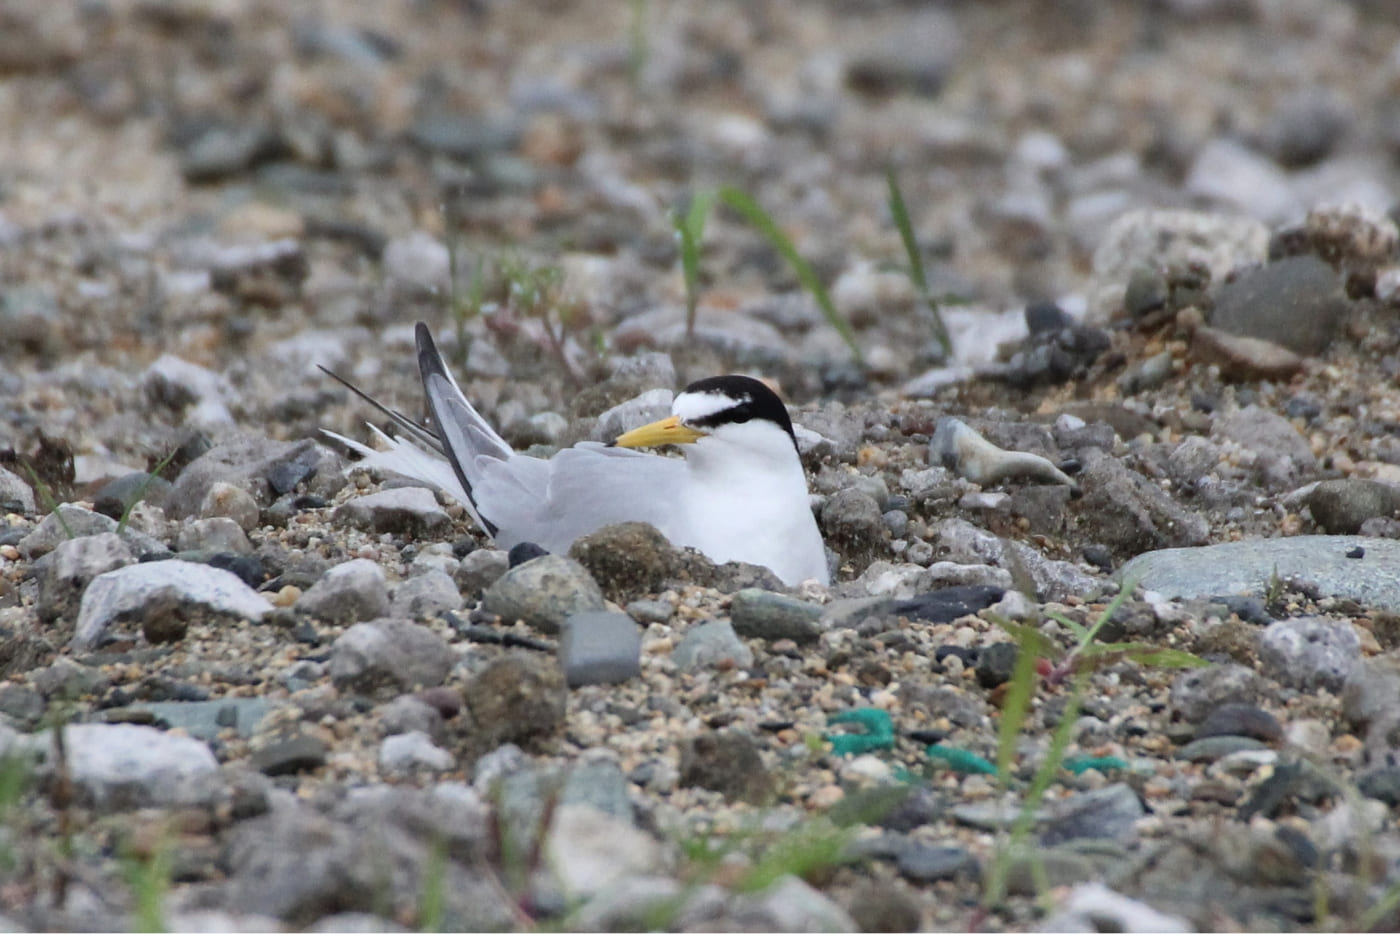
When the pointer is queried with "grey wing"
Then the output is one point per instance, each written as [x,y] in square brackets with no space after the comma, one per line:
[579,490]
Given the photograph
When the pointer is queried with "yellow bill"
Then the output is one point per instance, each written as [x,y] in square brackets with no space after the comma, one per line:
[667,431]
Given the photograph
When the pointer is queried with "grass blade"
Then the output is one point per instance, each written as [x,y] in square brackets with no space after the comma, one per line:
[915,270]
[752,212]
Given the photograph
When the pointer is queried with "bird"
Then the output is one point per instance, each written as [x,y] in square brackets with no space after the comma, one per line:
[739,493]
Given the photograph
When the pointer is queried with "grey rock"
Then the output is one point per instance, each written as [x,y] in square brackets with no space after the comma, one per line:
[651,611]
[1371,692]
[1130,514]
[1214,748]
[995,663]
[119,495]
[1197,691]
[287,756]
[1310,652]
[853,527]
[726,761]
[921,862]
[1241,720]
[218,534]
[1228,174]
[591,850]
[30,316]
[181,385]
[409,713]
[1339,507]
[389,656]
[121,766]
[628,560]
[23,652]
[1247,567]
[1305,126]
[412,753]
[347,593]
[293,862]
[1093,906]
[409,510]
[960,541]
[66,679]
[69,522]
[65,572]
[1243,359]
[430,594]
[543,593]
[207,719]
[15,494]
[179,591]
[1107,813]
[1194,458]
[265,469]
[711,645]
[418,261]
[1030,871]
[630,904]
[1281,454]
[1297,302]
[789,904]
[600,648]
[761,614]
[634,413]
[223,150]
[22,705]
[1151,238]
[914,58]
[517,697]
[230,502]
[480,569]
[464,137]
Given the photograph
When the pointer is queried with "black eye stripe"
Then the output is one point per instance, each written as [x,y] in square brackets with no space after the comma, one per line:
[752,399]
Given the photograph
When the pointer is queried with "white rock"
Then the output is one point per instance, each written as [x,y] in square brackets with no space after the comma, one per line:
[634,413]
[591,850]
[1093,906]
[412,752]
[1231,175]
[418,260]
[118,766]
[179,383]
[126,590]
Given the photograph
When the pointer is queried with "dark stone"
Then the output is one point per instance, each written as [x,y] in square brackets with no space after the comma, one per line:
[1383,784]
[1340,506]
[1291,782]
[1046,318]
[920,862]
[1241,720]
[247,568]
[995,663]
[119,495]
[948,604]
[300,753]
[855,529]
[518,697]
[1296,302]
[524,551]
[628,560]
[727,762]
[1107,813]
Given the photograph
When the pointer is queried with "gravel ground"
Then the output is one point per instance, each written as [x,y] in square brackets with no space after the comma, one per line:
[300,696]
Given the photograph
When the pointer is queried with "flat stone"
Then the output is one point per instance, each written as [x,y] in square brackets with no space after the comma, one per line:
[920,862]
[207,719]
[543,593]
[300,753]
[350,592]
[432,593]
[389,656]
[1297,301]
[711,645]
[1211,748]
[762,614]
[1310,652]
[1247,567]
[409,510]
[1107,813]
[1339,507]
[163,589]
[600,648]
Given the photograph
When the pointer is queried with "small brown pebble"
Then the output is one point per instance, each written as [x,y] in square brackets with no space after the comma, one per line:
[446,701]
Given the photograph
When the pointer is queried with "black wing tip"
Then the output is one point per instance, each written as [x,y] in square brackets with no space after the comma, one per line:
[429,359]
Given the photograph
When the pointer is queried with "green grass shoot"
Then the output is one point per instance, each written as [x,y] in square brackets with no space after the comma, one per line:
[690,229]
[915,270]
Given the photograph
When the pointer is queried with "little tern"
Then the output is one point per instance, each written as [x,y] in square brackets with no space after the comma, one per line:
[739,494]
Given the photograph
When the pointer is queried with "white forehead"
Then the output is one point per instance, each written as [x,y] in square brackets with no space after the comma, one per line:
[693,406]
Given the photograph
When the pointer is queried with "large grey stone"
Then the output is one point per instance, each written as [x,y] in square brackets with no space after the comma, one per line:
[411,510]
[179,590]
[1310,652]
[1297,302]
[348,593]
[543,593]
[1248,567]
[65,572]
[389,656]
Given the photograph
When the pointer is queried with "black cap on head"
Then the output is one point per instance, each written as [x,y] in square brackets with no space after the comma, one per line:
[752,399]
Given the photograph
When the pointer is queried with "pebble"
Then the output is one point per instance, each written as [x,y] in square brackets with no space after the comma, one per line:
[123,766]
[1125,511]
[1310,652]
[1297,302]
[1211,748]
[518,696]
[410,510]
[727,762]
[1339,507]
[118,496]
[627,560]
[480,569]
[409,713]
[300,753]
[1107,813]
[1196,692]
[65,572]
[412,753]
[1093,906]
[15,494]
[162,590]
[350,592]
[599,648]
[761,614]
[543,593]
[418,261]
[956,446]
[218,534]
[1241,720]
[592,850]
[226,500]
[1247,567]
[431,593]
[920,862]
[711,644]
[1241,358]
[389,656]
